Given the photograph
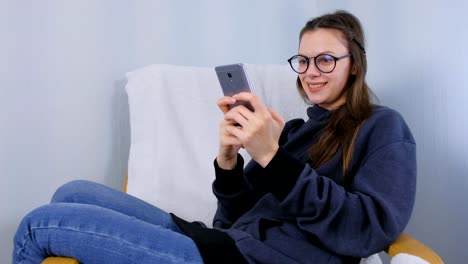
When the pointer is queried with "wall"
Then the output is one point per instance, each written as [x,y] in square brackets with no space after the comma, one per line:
[64,114]
[62,104]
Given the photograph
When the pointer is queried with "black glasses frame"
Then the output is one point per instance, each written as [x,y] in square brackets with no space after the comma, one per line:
[315,61]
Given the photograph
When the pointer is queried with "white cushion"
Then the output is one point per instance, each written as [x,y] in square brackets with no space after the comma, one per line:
[403,258]
[174,131]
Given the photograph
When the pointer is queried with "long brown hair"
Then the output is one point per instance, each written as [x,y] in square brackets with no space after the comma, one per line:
[344,123]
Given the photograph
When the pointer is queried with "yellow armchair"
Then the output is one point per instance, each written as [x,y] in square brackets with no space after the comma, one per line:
[59,260]
[404,244]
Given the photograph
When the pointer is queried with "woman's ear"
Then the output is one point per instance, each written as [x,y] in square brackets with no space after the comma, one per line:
[354,70]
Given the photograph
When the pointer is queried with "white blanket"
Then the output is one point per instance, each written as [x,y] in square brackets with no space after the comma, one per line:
[401,258]
[174,131]
[404,258]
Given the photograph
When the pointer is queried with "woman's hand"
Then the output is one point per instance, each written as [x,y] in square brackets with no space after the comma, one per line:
[258,132]
[229,144]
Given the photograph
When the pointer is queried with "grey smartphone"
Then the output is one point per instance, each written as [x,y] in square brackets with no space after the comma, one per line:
[233,80]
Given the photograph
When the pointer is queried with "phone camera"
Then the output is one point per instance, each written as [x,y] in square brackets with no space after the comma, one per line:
[229,75]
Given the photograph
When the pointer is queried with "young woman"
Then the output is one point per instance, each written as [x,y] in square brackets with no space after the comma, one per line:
[332,189]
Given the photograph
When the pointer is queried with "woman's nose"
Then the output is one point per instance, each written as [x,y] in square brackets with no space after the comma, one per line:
[312,70]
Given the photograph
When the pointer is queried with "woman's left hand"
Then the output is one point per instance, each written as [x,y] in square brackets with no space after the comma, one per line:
[259,131]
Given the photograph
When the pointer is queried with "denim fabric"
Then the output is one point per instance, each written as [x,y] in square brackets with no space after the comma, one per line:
[96,224]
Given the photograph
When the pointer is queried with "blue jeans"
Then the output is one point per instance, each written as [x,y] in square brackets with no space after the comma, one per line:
[96,224]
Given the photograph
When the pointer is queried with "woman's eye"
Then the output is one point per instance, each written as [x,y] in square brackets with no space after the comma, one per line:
[302,61]
[325,59]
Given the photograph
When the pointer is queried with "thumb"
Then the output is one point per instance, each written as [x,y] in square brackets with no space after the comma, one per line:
[277,118]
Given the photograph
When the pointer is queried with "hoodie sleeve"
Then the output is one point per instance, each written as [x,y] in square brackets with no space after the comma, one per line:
[235,196]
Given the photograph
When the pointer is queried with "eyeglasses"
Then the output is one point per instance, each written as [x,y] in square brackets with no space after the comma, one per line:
[325,63]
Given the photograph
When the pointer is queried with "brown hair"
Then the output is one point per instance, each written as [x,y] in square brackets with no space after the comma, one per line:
[344,123]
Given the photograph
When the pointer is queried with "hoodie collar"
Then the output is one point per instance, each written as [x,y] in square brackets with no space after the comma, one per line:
[318,113]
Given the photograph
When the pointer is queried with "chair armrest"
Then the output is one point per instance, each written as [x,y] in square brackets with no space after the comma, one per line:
[124,189]
[409,245]
[59,260]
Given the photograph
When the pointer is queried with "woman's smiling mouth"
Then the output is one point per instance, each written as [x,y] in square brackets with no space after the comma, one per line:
[315,86]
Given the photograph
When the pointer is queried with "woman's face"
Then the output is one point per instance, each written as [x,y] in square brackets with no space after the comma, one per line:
[325,89]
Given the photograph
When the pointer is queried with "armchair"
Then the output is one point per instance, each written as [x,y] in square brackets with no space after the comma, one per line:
[404,244]
[160,98]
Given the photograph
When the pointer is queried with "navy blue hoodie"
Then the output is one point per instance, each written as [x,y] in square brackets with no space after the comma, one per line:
[289,212]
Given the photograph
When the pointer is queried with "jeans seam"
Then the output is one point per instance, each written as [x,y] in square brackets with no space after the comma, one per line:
[145,249]
[23,246]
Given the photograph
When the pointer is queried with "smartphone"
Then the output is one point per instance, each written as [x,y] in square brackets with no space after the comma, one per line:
[233,80]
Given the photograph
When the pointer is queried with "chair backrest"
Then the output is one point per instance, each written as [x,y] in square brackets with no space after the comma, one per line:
[174,131]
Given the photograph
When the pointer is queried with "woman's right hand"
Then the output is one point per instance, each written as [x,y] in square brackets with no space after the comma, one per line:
[229,145]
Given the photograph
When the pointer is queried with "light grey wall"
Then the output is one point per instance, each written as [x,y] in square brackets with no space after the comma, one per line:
[64,115]
[208,33]
[62,104]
